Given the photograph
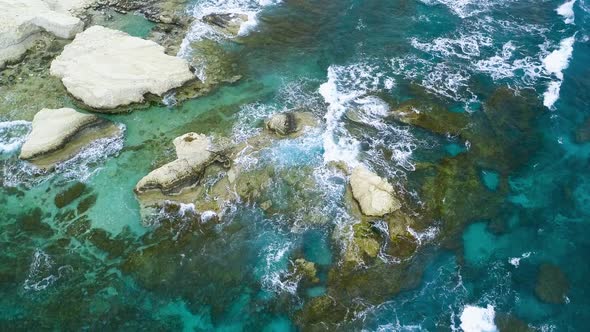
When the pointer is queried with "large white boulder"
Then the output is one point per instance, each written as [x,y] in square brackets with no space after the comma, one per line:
[374,194]
[107,68]
[193,155]
[53,129]
[22,21]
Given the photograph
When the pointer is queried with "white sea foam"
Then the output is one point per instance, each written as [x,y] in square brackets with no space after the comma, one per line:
[464,8]
[12,135]
[464,46]
[422,237]
[200,30]
[347,85]
[515,261]
[208,215]
[42,272]
[275,277]
[477,319]
[566,10]
[555,63]
[80,167]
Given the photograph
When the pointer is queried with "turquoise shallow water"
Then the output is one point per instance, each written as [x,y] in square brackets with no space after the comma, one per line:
[70,269]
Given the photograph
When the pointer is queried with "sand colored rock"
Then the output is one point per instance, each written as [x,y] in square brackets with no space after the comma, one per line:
[22,21]
[374,194]
[52,128]
[106,68]
[290,123]
[193,155]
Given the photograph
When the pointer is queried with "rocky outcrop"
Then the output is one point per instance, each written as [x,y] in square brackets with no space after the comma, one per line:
[59,133]
[290,123]
[23,21]
[107,68]
[193,156]
[374,194]
[227,23]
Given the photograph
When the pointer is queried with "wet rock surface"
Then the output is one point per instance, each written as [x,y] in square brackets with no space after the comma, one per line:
[290,123]
[227,23]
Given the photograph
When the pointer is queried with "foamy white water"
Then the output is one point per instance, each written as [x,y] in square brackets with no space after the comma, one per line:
[477,319]
[566,10]
[200,30]
[348,86]
[12,135]
[555,63]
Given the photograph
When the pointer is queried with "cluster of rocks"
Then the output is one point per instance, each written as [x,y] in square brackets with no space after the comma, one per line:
[204,174]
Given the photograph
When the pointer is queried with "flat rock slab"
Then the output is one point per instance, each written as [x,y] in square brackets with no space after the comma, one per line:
[22,21]
[107,68]
[62,130]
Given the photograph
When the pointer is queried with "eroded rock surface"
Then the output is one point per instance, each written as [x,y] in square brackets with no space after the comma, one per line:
[374,194]
[59,133]
[22,21]
[290,123]
[193,155]
[106,68]
[227,23]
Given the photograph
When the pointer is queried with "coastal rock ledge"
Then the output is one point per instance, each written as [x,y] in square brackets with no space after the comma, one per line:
[193,155]
[374,194]
[22,21]
[57,134]
[107,68]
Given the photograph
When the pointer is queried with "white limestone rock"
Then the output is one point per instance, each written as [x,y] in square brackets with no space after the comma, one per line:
[22,21]
[193,155]
[374,194]
[107,68]
[52,129]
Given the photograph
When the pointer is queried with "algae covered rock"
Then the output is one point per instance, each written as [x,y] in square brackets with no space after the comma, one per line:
[552,285]
[431,117]
[289,123]
[374,194]
[227,23]
[107,68]
[57,134]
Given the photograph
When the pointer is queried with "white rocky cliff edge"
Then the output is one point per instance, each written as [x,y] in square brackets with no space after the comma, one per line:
[23,21]
[107,68]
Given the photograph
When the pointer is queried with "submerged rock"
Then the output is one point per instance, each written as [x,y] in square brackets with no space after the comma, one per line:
[22,21]
[306,269]
[107,68]
[373,193]
[431,117]
[583,132]
[290,123]
[227,23]
[69,195]
[59,133]
[552,285]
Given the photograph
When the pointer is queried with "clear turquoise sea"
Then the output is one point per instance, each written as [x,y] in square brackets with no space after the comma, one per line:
[507,242]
